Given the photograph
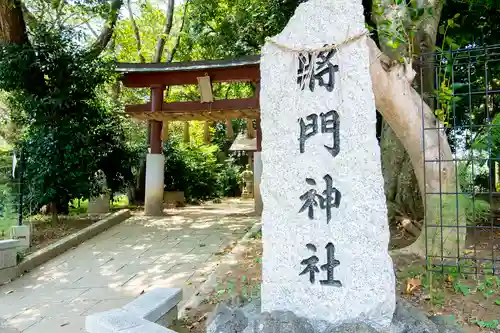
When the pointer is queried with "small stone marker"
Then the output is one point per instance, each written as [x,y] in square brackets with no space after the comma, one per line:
[325,228]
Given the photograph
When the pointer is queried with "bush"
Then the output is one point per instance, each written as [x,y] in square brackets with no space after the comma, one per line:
[196,171]
[478,212]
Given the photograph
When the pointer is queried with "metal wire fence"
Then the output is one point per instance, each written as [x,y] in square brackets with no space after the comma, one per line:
[464,96]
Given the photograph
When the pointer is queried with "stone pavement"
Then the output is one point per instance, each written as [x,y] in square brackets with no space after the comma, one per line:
[111,269]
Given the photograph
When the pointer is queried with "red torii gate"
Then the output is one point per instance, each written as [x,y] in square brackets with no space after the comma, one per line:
[159,76]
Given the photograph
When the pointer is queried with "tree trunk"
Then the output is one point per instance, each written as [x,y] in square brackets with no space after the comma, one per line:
[405,111]
[109,26]
[12,25]
[400,183]
[54,214]
[404,196]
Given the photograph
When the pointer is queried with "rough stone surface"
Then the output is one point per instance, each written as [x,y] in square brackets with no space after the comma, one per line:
[249,319]
[358,227]
[227,320]
[8,258]
[353,328]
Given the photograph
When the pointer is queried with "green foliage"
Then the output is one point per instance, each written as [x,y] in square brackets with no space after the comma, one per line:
[486,324]
[8,193]
[233,28]
[196,171]
[69,132]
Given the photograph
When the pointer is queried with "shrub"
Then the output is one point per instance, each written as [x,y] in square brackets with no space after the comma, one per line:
[196,171]
[478,212]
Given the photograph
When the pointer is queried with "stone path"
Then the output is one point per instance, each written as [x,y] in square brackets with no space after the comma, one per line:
[108,271]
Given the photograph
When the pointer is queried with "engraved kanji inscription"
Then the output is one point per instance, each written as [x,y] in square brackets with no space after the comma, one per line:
[329,125]
[328,199]
[312,268]
[329,267]
[307,130]
[318,69]
[310,264]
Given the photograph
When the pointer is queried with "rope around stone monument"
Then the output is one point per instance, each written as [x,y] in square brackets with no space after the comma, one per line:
[327,47]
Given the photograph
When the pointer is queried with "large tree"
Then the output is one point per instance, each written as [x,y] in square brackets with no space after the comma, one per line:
[69,134]
[403,31]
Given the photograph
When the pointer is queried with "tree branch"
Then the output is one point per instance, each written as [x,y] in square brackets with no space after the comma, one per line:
[162,39]
[107,31]
[28,16]
[172,53]
[136,33]
[87,23]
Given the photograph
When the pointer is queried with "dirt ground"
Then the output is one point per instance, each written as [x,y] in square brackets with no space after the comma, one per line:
[44,233]
[473,303]
[241,280]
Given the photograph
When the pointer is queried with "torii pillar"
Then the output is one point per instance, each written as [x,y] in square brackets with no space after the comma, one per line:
[155,161]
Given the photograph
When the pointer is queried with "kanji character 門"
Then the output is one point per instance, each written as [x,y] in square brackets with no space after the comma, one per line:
[329,199]
[310,264]
[329,124]
[321,67]
[307,130]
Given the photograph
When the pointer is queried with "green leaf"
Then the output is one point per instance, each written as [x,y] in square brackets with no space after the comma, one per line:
[497,302]
[488,293]
[442,29]
[486,324]
[465,290]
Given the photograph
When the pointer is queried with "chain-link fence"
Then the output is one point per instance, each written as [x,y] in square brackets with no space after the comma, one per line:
[465,98]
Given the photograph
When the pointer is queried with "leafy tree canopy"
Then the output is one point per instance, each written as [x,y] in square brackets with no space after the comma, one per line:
[69,132]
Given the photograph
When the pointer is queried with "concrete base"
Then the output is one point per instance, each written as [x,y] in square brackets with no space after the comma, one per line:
[8,260]
[158,306]
[152,312]
[257,173]
[99,205]
[22,233]
[153,205]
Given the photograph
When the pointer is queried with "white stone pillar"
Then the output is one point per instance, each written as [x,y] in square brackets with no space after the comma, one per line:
[155,164]
[257,172]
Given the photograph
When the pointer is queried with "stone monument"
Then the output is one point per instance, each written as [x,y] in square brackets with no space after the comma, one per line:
[325,228]
[326,266]
[247,182]
[101,203]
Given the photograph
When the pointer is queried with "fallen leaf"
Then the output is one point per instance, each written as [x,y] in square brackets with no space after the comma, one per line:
[189,283]
[142,292]
[64,324]
[9,292]
[411,285]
